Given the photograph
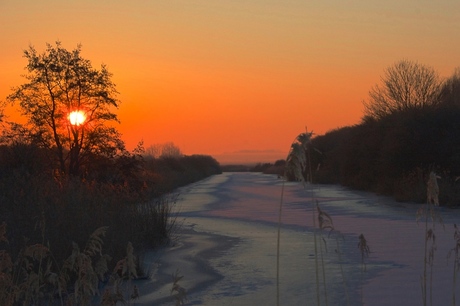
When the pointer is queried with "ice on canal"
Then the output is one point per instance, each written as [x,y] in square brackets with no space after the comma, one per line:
[227,242]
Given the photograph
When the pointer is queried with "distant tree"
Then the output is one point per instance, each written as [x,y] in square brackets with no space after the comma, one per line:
[153,150]
[167,149]
[60,82]
[450,92]
[406,85]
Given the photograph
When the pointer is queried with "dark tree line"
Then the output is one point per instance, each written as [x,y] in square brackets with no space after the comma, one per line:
[400,140]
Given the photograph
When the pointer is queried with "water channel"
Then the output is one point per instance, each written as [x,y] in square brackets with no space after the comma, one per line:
[226,247]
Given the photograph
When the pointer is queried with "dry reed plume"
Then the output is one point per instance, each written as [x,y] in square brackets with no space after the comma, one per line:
[364,250]
[298,166]
[296,163]
[426,212]
[324,222]
[33,277]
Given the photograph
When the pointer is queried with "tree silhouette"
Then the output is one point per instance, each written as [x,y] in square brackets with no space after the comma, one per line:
[167,149]
[450,92]
[406,85]
[60,82]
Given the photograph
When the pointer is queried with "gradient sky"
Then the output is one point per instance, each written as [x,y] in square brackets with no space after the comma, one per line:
[223,76]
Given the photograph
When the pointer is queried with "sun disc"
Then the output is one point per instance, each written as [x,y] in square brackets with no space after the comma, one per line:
[77,117]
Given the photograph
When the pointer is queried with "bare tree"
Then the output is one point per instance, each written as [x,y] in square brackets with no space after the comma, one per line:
[167,149]
[59,83]
[405,85]
[153,150]
[450,92]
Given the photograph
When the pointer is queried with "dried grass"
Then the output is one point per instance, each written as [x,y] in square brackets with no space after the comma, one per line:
[297,167]
[427,212]
[296,163]
[455,253]
[364,250]
[180,293]
[23,281]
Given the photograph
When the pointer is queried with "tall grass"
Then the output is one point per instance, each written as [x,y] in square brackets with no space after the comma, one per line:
[428,212]
[58,216]
[179,292]
[296,163]
[455,252]
[278,243]
[127,198]
[315,239]
[33,276]
[324,222]
[339,257]
[298,166]
[365,251]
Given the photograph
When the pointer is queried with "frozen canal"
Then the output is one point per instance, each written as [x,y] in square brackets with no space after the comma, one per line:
[226,247]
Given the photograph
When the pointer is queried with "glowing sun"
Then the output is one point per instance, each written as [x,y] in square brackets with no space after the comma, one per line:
[77,117]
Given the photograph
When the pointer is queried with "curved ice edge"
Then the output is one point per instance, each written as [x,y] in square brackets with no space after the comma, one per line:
[190,256]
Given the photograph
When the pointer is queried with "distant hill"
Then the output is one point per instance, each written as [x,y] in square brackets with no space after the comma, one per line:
[250,157]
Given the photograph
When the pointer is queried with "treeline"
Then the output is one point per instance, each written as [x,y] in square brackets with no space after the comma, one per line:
[394,156]
[411,127]
[171,172]
[267,168]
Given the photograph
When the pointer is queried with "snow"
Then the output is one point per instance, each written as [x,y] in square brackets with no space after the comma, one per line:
[226,247]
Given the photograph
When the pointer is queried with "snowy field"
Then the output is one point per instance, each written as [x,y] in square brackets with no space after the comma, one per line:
[226,247]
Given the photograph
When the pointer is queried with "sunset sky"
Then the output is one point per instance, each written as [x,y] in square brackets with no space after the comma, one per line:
[231,78]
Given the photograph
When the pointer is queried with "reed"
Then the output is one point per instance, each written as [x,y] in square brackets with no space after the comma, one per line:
[180,294]
[296,163]
[278,242]
[455,253]
[428,212]
[297,167]
[33,277]
[324,222]
[318,299]
[124,272]
[365,251]
[344,280]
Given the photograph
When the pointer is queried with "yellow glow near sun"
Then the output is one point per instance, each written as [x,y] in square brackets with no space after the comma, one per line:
[77,117]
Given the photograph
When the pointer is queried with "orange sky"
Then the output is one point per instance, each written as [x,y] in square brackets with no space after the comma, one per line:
[223,76]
